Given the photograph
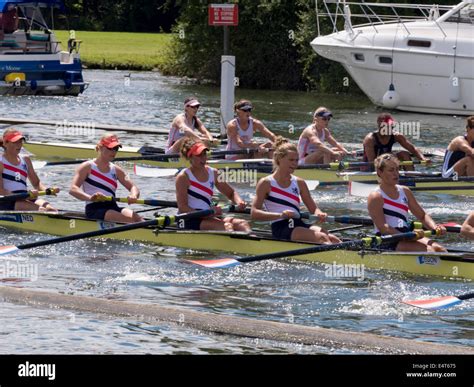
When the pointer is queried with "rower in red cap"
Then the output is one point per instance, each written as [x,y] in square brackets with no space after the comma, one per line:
[15,170]
[195,188]
[382,140]
[187,125]
[97,179]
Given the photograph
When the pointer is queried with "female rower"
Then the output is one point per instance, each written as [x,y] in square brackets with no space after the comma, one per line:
[311,144]
[15,170]
[459,157]
[389,205]
[281,193]
[195,187]
[97,179]
[187,125]
[241,130]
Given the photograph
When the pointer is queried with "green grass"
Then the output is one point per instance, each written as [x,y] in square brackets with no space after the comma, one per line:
[122,50]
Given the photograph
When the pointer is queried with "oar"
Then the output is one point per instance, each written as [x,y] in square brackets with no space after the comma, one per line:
[28,195]
[366,242]
[439,302]
[147,202]
[148,156]
[161,221]
[363,190]
[340,166]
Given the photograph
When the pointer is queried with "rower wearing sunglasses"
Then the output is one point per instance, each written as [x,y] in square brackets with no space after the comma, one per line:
[97,179]
[187,125]
[241,130]
[311,144]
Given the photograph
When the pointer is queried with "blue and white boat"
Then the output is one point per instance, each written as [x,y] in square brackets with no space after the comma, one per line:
[32,61]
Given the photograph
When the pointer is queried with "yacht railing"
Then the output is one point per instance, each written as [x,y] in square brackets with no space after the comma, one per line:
[336,10]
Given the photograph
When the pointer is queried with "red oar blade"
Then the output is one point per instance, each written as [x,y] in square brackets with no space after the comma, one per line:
[216,263]
[4,250]
[435,303]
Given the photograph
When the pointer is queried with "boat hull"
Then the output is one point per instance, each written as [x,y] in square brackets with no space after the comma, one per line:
[452,266]
[376,56]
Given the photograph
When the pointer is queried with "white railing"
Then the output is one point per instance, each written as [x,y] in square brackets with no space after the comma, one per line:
[336,10]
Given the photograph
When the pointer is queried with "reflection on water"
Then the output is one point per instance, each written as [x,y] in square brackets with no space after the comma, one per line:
[280,290]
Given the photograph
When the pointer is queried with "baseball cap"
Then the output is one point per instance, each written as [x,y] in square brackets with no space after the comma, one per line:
[110,142]
[196,149]
[13,136]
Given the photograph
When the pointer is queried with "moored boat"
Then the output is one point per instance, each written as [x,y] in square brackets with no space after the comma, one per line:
[32,61]
[453,265]
[412,57]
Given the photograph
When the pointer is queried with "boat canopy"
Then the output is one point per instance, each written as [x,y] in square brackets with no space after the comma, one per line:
[43,4]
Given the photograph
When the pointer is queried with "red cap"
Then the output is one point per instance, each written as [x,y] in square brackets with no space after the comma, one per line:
[385,118]
[110,142]
[196,149]
[13,136]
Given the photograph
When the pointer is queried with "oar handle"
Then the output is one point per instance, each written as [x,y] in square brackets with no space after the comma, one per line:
[28,195]
[466,296]
[161,221]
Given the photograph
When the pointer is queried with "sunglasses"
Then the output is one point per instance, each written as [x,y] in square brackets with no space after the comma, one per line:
[246,110]
[195,107]
[115,149]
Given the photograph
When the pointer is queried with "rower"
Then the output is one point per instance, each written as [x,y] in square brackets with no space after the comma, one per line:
[467,229]
[279,196]
[187,125]
[15,170]
[97,179]
[311,144]
[195,188]
[459,156]
[382,140]
[389,205]
[241,130]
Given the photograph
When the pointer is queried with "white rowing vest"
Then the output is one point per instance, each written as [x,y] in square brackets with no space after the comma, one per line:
[395,211]
[200,193]
[245,135]
[15,176]
[98,181]
[177,134]
[280,199]
[305,147]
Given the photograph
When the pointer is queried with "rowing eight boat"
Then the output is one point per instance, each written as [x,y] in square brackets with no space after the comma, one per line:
[455,264]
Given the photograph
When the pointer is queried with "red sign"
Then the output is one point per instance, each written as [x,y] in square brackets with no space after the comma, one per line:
[223,15]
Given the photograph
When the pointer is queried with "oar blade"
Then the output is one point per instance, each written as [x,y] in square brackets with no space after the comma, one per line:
[312,184]
[434,303]
[216,263]
[154,172]
[361,189]
[39,164]
[5,250]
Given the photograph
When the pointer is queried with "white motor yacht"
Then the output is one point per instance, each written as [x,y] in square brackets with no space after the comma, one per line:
[404,56]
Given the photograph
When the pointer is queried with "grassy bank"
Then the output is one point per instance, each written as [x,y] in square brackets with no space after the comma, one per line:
[122,50]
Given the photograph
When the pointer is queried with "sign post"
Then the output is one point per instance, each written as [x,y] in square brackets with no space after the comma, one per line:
[225,15]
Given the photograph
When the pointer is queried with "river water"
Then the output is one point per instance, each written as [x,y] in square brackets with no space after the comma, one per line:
[284,290]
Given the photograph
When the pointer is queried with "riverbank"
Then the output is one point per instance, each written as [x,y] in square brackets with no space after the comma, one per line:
[121,50]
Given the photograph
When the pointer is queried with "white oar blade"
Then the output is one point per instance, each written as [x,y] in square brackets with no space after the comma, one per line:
[154,172]
[312,184]
[216,263]
[435,303]
[4,250]
[361,189]
[39,164]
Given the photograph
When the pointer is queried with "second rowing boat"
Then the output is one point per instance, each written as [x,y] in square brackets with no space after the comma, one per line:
[452,265]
